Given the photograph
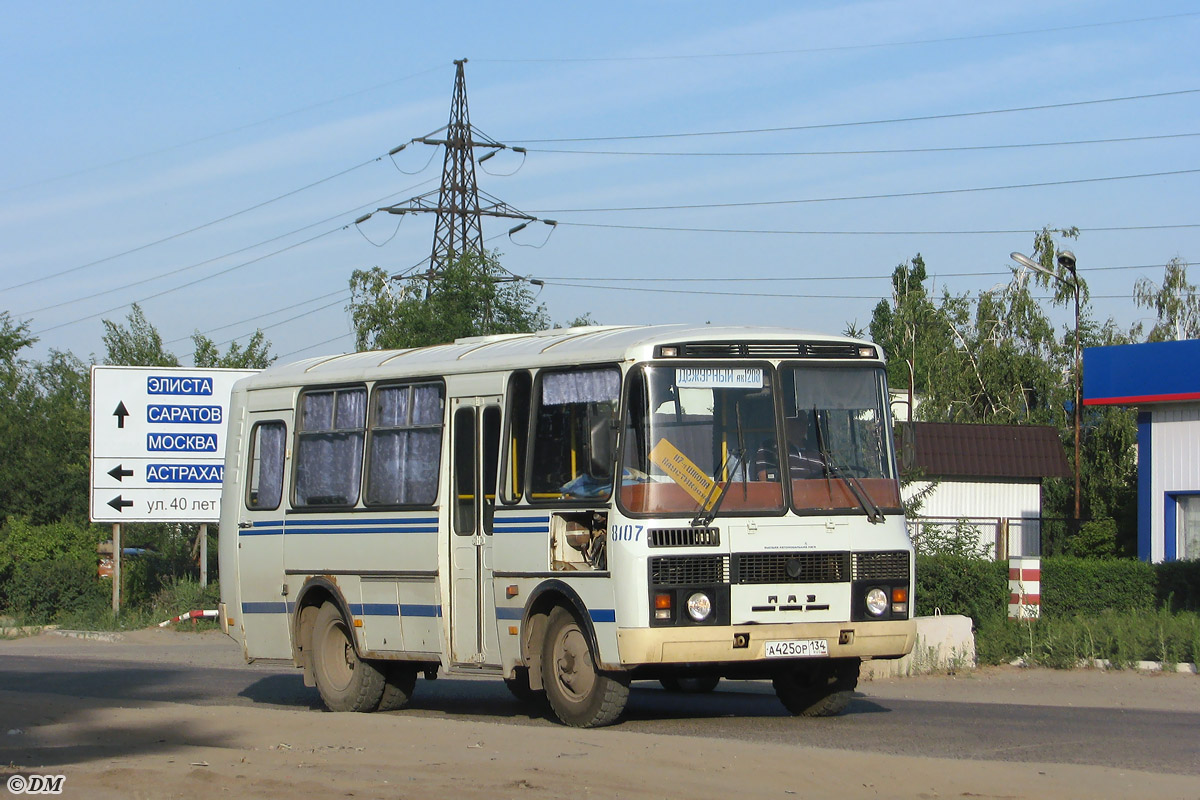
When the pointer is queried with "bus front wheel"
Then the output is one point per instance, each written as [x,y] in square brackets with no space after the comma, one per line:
[817,689]
[581,695]
[346,683]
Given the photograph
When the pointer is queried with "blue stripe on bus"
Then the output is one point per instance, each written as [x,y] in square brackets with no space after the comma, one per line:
[500,518]
[509,613]
[410,610]
[262,532]
[274,607]
[603,615]
[383,529]
[507,529]
[379,610]
[308,523]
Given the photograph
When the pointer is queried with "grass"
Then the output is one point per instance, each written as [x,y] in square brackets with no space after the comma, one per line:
[1121,638]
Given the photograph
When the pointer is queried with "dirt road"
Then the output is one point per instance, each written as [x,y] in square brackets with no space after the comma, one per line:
[152,749]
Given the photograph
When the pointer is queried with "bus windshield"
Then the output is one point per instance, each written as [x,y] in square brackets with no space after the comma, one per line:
[692,429]
[697,435]
[836,433]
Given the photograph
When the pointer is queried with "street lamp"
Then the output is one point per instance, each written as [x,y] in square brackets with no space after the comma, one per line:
[1066,260]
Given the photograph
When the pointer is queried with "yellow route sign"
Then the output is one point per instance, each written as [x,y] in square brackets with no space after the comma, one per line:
[684,472]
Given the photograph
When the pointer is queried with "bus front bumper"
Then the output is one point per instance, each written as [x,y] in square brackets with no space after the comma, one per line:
[697,645]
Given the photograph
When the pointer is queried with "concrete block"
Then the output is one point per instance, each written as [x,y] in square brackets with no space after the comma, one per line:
[944,643]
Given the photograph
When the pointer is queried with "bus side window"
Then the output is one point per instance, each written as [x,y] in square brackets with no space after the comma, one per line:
[404,447]
[265,468]
[574,436]
[464,471]
[491,463]
[329,447]
[516,435]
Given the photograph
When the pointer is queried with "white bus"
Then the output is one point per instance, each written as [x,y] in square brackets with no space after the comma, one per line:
[570,510]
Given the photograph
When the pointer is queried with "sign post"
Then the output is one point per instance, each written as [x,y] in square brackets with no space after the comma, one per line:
[158,448]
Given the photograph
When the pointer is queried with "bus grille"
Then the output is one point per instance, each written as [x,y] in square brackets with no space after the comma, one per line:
[791,567]
[683,537]
[768,350]
[881,566]
[688,570]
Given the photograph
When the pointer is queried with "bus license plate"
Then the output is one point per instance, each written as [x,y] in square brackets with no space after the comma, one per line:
[796,648]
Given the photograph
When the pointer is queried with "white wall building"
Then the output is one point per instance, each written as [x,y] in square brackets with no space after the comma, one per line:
[989,475]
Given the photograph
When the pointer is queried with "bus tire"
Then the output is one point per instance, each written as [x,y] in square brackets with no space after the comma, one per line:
[399,681]
[821,689]
[346,682]
[580,695]
[520,688]
[692,684]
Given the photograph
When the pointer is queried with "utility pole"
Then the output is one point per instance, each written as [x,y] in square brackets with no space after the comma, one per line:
[456,203]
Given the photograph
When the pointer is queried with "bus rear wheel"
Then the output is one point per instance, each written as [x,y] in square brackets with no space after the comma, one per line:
[346,682]
[399,681]
[581,695]
[817,689]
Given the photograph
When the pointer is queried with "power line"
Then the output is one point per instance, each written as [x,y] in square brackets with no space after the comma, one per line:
[200,227]
[218,134]
[318,344]
[835,48]
[179,270]
[887,196]
[192,283]
[806,296]
[779,232]
[888,151]
[859,123]
[809,278]
[290,306]
[289,319]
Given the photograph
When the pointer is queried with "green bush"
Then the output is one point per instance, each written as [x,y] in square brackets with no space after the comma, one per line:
[1072,586]
[1179,585]
[1096,539]
[40,590]
[955,585]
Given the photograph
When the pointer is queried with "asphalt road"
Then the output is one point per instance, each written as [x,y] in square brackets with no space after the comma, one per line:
[1142,739]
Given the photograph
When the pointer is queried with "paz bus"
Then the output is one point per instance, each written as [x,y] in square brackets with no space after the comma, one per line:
[569,511]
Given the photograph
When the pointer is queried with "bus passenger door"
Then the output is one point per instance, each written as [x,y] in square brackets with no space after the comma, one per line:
[263,612]
[475,432]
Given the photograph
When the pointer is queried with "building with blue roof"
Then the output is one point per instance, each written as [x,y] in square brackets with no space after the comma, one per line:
[1162,380]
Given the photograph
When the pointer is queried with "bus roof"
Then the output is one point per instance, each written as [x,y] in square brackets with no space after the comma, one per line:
[556,347]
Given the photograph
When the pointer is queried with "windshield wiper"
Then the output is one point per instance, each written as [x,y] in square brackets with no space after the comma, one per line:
[704,518]
[874,515]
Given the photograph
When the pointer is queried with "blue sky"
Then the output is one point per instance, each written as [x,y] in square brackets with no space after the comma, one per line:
[131,123]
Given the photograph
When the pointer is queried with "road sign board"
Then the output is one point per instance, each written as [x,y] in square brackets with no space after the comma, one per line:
[158,442]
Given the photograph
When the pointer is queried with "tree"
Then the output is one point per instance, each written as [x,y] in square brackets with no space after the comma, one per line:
[1175,304]
[256,354]
[136,345]
[44,424]
[473,296]
[910,329]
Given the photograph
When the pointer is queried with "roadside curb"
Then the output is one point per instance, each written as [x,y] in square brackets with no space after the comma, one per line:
[99,636]
[1108,666]
[25,630]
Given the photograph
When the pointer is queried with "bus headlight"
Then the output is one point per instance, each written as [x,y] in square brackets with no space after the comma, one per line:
[877,602]
[699,606]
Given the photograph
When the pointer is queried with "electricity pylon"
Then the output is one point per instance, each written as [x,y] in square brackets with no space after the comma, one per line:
[457,231]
